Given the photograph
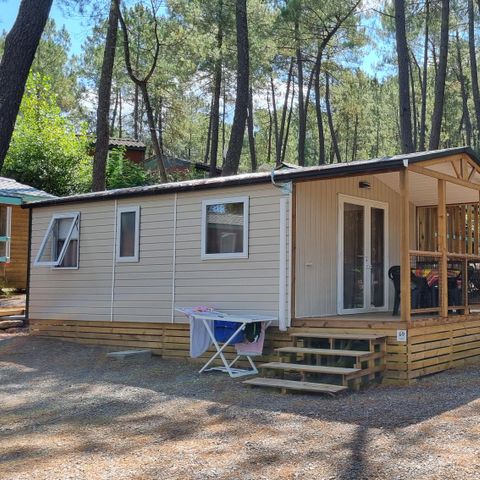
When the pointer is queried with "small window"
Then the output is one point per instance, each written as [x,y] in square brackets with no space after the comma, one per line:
[225,228]
[5,233]
[128,233]
[60,245]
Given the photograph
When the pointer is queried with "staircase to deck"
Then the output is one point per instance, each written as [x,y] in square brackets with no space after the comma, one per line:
[325,363]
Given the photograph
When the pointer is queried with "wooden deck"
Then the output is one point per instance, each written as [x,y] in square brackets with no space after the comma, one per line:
[361,320]
[432,344]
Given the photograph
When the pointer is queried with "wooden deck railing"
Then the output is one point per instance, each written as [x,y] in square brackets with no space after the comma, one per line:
[437,285]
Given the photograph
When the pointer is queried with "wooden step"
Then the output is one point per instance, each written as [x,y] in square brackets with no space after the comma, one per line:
[295,385]
[338,336]
[325,351]
[298,367]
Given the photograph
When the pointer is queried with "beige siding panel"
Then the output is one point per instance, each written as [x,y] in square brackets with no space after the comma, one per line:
[143,290]
[84,293]
[249,284]
[316,239]
[137,298]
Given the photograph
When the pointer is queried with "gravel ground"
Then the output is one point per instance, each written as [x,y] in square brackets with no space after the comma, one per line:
[16,300]
[68,412]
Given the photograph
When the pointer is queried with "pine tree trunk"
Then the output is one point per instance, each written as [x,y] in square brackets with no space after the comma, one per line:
[160,125]
[143,86]
[284,113]
[232,160]
[302,121]
[157,149]
[278,153]
[217,90]
[114,114]
[423,111]
[120,123]
[224,123]
[103,107]
[414,105]
[403,80]
[318,110]
[270,128]
[466,114]
[333,133]
[355,139]
[440,79]
[289,120]
[19,50]
[473,66]
[136,114]
[209,135]
[251,135]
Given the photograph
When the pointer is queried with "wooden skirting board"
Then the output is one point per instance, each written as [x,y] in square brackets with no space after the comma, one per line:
[9,311]
[429,348]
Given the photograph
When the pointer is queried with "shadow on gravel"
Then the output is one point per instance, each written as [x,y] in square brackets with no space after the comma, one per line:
[74,366]
[51,386]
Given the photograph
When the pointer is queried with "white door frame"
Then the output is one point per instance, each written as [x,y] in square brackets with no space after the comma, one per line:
[367,291]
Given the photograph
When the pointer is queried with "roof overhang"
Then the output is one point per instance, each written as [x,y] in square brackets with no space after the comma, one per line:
[8,200]
[376,166]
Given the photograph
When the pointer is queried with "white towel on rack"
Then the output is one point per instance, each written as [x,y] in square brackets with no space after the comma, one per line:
[200,340]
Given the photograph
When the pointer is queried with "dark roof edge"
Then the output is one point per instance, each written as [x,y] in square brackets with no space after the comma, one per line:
[382,165]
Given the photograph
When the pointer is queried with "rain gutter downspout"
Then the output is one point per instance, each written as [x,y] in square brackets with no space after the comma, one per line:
[284,276]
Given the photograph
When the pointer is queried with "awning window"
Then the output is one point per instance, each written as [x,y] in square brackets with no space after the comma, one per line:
[59,247]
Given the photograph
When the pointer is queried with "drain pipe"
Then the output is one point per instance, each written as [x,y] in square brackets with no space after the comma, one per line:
[284,274]
[174,256]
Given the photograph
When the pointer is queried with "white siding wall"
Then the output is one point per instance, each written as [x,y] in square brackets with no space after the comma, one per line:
[143,290]
[317,242]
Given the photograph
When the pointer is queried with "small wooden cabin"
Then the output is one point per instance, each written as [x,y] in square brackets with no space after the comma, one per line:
[326,249]
[14,229]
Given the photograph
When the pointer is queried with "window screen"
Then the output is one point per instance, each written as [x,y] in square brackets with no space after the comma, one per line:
[225,228]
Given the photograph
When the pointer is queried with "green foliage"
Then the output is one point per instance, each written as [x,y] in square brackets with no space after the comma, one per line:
[46,149]
[122,173]
[48,153]
[364,103]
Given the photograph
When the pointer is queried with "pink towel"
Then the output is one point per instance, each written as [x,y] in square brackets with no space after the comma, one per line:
[252,348]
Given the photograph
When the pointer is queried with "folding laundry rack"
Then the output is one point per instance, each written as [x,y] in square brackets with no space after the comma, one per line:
[207,317]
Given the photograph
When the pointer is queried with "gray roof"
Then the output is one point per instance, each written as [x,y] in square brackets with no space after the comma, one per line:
[12,188]
[359,167]
[171,162]
[126,142]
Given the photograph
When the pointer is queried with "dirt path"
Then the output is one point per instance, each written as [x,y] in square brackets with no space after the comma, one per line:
[67,412]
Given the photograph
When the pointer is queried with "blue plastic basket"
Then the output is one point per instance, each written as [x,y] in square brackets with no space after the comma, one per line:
[224,330]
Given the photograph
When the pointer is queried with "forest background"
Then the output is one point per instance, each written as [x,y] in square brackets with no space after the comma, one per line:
[242,85]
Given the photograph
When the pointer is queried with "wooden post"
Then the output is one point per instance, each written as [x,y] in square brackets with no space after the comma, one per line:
[442,247]
[405,293]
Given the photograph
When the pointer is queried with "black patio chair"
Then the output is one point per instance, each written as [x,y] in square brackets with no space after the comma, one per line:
[420,291]
[473,285]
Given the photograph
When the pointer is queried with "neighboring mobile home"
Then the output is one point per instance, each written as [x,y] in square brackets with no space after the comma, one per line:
[314,246]
[14,231]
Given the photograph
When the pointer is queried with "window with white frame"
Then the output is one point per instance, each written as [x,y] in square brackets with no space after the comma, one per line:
[225,228]
[128,234]
[60,245]
[5,233]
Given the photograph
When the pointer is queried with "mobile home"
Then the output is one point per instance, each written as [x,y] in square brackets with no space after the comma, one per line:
[325,249]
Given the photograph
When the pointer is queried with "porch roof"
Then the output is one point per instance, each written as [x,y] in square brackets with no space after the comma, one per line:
[383,165]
